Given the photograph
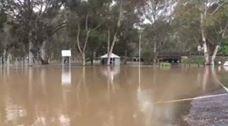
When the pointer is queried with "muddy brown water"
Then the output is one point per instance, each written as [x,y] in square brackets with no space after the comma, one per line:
[102,96]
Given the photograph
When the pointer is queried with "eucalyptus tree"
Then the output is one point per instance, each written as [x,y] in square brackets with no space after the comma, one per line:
[157,36]
[113,22]
[84,20]
[120,21]
[155,14]
[3,19]
[3,33]
[33,23]
[211,16]
[2,22]
[186,29]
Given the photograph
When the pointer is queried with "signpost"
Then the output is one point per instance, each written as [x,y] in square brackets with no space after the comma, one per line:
[66,55]
[66,67]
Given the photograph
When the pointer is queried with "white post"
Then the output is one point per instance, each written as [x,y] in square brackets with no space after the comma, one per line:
[139,67]
[140,39]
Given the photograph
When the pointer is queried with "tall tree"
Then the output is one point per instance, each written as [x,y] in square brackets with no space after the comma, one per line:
[85,18]
[3,30]
[156,37]
[115,18]
[152,13]
[207,10]
[34,23]
[120,13]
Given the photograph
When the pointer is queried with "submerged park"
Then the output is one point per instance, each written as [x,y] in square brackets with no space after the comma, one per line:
[113,62]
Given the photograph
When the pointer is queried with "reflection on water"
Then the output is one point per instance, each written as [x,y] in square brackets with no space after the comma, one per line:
[66,76]
[13,112]
[102,96]
[146,105]
[110,72]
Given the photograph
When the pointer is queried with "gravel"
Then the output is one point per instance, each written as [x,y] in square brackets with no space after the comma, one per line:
[211,111]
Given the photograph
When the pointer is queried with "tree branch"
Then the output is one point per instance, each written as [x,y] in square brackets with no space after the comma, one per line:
[217,9]
[86,40]
[86,22]
[78,38]
[98,26]
[58,27]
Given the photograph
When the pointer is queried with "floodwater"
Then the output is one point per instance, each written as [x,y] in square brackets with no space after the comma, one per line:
[103,96]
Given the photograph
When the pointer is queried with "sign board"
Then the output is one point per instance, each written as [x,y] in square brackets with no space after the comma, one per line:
[66,53]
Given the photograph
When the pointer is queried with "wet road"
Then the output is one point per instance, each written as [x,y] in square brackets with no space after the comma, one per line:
[103,96]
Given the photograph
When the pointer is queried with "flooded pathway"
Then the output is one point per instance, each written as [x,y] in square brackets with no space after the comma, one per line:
[104,96]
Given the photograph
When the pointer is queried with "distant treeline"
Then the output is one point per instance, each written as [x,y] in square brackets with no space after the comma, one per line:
[39,29]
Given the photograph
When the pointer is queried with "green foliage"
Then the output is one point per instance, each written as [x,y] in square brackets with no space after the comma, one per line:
[224,48]
[147,56]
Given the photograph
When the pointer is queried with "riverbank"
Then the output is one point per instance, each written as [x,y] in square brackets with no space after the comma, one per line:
[212,111]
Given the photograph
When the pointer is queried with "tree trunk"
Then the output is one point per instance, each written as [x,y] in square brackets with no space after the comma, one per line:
[83,59]
[43,55]
[93,57]
[212,62]
[109,58]
[91,60]
[155,53]
[2,60]
[82,48]
[108,47]
[30,56]
[115,35]
[109,37]
[125,57]
[111,48]
[206,54]
[203,35]
[4,57]
[9,59]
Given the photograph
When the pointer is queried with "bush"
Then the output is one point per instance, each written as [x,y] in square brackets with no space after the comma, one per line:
[194,60]
[147,57]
